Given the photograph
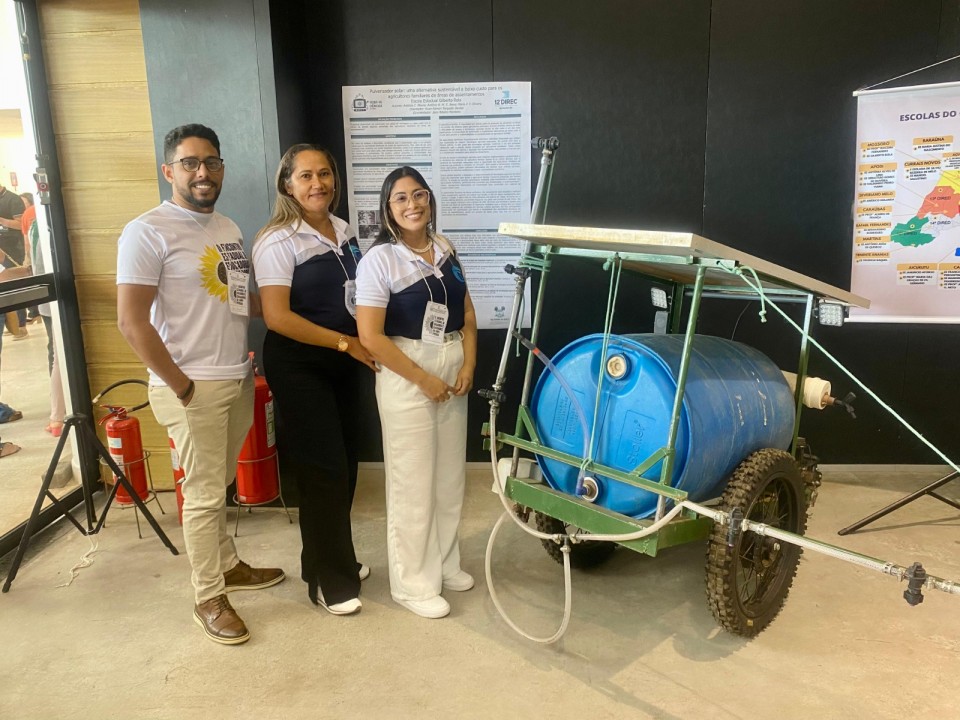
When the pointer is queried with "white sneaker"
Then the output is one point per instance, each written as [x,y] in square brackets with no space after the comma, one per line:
[433,608]
[347,607]
[364,572]
[460,582]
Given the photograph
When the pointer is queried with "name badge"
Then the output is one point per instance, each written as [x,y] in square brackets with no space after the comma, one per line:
[434,323]
[350,296]
[238,292]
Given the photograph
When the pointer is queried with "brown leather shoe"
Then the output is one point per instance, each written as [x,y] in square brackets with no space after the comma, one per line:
[244,577]
[220,621]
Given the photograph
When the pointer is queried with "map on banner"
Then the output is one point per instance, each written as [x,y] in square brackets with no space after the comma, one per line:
[906,238]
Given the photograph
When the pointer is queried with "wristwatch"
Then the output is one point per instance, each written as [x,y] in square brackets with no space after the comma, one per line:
[343,344]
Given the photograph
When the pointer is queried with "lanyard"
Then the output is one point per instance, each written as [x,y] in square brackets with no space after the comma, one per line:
[334,249]
[424,278]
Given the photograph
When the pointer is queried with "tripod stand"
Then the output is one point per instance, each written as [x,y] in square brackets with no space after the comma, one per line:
[86,434]
[926,490]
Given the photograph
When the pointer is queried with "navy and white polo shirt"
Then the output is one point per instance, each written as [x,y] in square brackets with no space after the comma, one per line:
[299,258]
[392,276]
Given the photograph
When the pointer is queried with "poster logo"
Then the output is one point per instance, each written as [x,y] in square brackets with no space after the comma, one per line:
[506,99]
[359,104]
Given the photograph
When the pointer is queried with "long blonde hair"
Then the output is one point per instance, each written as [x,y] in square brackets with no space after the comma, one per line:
[286,210]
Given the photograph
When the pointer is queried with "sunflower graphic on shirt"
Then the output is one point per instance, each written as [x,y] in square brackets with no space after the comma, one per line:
[216,261]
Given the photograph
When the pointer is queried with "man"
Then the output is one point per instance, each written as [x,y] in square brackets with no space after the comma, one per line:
[182,304]
[12,247]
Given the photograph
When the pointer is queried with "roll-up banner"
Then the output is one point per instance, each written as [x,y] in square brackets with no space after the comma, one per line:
[906,225]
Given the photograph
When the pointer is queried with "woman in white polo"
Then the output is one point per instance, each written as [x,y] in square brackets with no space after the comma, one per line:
[415,316]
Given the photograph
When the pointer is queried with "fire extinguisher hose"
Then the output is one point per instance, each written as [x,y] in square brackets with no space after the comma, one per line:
[131,381]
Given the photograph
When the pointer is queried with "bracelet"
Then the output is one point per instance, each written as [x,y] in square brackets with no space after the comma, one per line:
[186,392]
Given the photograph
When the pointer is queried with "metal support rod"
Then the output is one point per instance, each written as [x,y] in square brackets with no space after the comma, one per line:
[538,211]
[667,471]
[802,371]
[865,561]
[519,285]
[541,196]
[34,65]
[676,307]
[926,490]
[528,371]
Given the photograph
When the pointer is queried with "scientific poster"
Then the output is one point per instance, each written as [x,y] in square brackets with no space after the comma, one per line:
[471,143]
[906,237]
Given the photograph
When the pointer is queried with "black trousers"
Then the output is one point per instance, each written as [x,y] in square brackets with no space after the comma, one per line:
[315,394]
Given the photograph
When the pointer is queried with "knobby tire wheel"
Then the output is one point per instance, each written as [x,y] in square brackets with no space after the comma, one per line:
[747,583]
[583,554]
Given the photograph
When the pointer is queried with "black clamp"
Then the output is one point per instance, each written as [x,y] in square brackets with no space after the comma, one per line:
[734,526]
[916,578]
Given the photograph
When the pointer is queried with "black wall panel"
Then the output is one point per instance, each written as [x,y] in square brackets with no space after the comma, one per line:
[623,85]
[729,118]
[781,132]
[781,124]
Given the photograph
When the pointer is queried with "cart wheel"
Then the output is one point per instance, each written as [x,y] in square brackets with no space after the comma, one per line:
[582,555]
[748,582]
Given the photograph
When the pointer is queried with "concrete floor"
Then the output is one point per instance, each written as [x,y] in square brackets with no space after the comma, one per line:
[120,641]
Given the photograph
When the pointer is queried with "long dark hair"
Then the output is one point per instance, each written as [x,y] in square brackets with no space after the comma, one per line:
[389,232]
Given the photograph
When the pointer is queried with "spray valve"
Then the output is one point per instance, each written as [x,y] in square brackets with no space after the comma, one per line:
[518,271]
[550,143]
[494,396]
[916,578]
[845,404]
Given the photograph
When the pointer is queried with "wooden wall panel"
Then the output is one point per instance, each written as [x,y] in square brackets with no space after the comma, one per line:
[73,16]
[80,108]
[107,158]
[97,295]
[106,57]
[102,340]
[101,113]
[102,206]
[94,251]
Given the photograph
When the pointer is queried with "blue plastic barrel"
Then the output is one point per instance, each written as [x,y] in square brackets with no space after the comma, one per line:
[736,401]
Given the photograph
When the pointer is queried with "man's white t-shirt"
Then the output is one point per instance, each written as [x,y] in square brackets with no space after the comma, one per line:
[188,256]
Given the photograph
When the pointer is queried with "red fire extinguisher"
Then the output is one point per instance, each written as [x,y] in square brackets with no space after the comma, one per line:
[178,476]
[125,444]
[258,478]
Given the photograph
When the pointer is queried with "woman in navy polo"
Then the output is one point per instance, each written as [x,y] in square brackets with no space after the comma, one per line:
[416,318]
[305,261]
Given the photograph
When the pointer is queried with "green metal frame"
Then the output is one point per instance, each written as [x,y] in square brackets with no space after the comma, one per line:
[593,519]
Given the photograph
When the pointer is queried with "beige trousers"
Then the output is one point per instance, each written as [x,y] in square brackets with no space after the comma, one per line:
[424,452]
[208,435]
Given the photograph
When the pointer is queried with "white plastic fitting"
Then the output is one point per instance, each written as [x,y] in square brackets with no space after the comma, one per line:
[816,391]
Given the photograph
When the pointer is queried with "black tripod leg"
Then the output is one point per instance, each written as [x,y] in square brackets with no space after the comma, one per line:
[32,520]
[926,490]
[122,479]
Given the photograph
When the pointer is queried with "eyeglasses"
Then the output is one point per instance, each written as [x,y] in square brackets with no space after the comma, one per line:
[192,164]
[419,197]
